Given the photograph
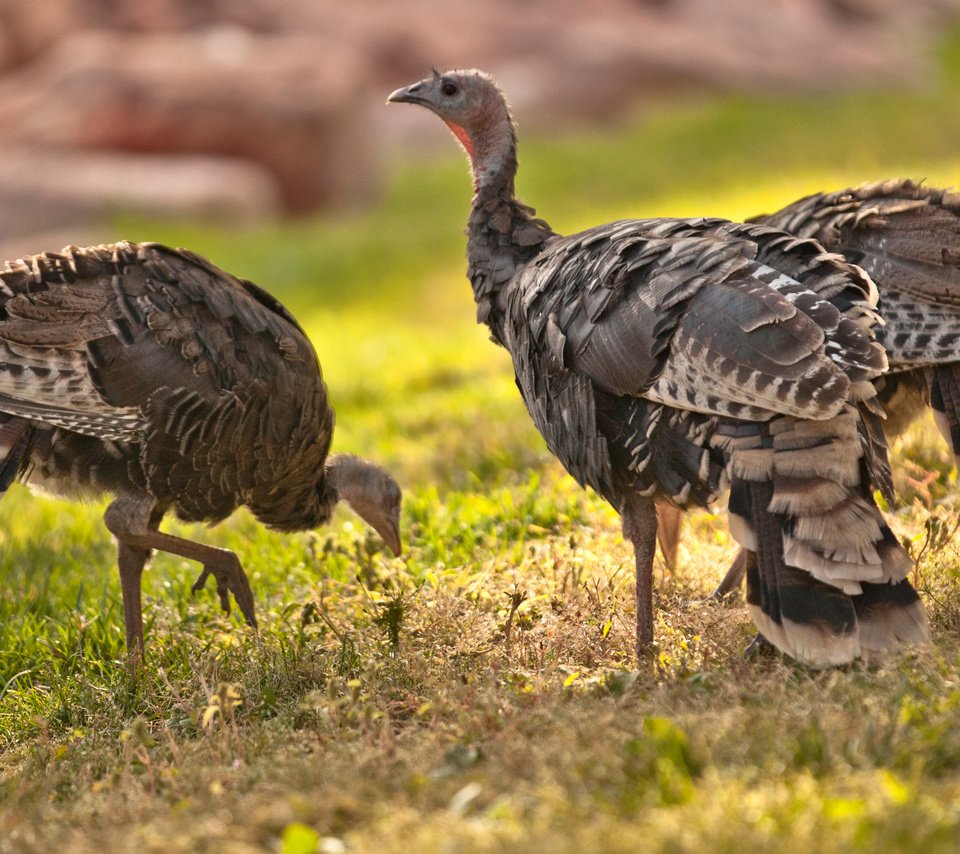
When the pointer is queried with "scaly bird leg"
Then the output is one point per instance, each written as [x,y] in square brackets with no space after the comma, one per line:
[640,527]
[732,580]
[669,524]
[759,646]
[133,520]
[132,561]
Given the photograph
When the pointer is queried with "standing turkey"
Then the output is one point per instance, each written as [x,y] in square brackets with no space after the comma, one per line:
[907,237]
[148,373]
[723,343]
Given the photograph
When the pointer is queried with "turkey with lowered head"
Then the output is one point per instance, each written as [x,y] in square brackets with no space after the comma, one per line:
[150,374]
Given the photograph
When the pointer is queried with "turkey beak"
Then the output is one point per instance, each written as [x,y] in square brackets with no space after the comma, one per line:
[414,94]
[389,529]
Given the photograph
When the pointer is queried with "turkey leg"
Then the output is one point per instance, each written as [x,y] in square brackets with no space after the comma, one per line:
[640,527]
[133,520]
[132,561]
[731,581]
[669,524]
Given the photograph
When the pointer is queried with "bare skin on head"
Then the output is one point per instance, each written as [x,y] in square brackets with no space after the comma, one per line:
[371,493]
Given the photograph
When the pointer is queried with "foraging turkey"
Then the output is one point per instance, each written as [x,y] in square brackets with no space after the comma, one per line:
[907,237]
[729,343]
[150,374]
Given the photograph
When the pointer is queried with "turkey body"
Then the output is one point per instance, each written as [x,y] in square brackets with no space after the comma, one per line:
[149,374]
[658,357]
[907,237]
[725,344]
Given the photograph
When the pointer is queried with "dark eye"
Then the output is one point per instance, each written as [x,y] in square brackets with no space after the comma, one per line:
[449,88]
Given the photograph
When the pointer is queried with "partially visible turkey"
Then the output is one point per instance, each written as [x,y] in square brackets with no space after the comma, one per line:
[150,374]
[907,237]
[651,353]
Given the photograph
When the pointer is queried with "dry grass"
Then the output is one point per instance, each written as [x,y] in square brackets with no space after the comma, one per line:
[484,704]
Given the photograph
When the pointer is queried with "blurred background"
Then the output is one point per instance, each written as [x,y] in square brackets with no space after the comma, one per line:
[241,112]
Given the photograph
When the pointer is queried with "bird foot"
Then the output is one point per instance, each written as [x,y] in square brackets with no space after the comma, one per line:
[722,594]
[759,646]
[728,587]
[230,578]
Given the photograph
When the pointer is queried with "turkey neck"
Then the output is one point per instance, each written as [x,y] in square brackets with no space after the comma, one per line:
[502,233]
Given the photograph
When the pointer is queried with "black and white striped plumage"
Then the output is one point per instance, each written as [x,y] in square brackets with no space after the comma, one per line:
[907,237]
[150,374]
[707,338]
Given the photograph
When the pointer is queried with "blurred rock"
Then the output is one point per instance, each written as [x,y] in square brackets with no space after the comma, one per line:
[45,189]
[27,27]
[284,102]
[294,89]
[599,58]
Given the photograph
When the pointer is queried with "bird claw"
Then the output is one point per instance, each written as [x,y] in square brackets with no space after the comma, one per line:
[230,578]
[759,646]
[730,585]
[722,594]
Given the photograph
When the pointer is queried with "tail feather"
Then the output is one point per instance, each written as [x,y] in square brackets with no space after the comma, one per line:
[890,615]
[826,580]
[838,544]
[797,494]
[904,396]
[805,618]
[830,461]
[873,441]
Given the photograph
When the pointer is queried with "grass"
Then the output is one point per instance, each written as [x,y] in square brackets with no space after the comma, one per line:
[480,694]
